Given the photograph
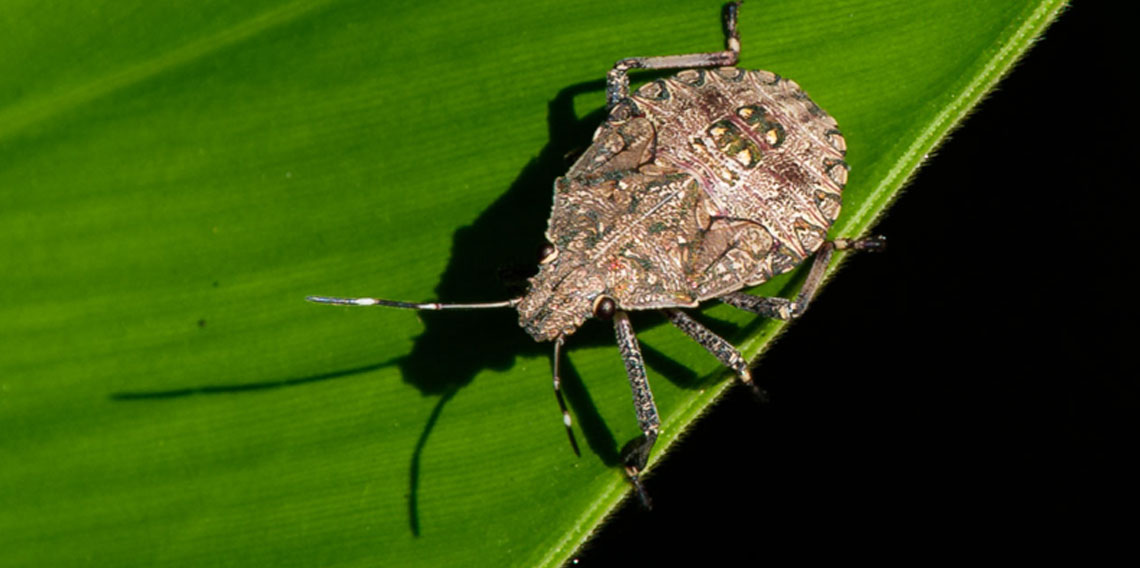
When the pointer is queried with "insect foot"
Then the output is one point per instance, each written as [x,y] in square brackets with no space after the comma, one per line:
[695,187]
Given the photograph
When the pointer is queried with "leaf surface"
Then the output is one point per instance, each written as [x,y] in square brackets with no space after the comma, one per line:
[177,177]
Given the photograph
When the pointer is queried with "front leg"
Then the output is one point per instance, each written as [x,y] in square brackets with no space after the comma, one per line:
[617,81]
[636,453]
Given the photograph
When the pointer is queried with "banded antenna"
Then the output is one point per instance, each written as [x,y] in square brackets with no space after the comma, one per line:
[556,371]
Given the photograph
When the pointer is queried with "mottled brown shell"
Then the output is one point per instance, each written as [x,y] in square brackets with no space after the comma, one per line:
[697,185]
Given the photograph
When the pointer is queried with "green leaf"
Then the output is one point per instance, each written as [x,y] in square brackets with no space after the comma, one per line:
[177,177]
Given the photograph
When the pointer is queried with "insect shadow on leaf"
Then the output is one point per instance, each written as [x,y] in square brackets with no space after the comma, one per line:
[503,239]
[505,236]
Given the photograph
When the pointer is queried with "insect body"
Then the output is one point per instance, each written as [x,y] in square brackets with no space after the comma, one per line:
[695,187]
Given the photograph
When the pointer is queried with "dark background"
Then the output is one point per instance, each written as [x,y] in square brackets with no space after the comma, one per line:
[972,389]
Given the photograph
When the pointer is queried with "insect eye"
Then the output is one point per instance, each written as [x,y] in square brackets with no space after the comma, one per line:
[604,307]
[547,253]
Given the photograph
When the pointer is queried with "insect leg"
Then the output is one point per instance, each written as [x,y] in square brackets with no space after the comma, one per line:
[636,453]
[785,309]
[558,394]
[617,81]
[715,344]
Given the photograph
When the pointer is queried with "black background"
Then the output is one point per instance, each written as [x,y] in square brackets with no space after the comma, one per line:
[973,389]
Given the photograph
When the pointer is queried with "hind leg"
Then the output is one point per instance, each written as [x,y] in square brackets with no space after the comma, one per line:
[786,309]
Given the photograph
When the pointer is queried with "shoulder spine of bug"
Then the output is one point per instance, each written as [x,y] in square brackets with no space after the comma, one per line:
[693,194]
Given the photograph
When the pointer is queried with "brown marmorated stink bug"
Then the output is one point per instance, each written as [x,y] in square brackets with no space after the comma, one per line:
[695,187]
